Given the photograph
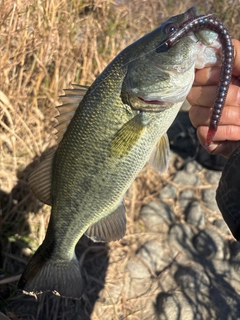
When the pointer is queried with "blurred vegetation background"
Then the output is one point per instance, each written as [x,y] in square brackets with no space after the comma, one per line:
[44,47]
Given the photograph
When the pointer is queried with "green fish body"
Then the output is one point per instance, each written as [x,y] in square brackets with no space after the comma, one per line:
[107,133]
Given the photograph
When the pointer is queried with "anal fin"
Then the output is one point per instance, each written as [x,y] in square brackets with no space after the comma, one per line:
[109,228]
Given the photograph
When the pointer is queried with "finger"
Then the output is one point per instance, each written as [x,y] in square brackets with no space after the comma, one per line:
[205,96]
[200,116]
[222,146]
[225,148]
[236,66]
[224,133]
[202,96]
[207,76]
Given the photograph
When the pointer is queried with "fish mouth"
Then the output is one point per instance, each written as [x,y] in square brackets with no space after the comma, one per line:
[202,40]
[167,100]
[155,102]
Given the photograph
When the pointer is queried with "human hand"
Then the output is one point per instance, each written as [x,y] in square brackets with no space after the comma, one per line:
[201,98]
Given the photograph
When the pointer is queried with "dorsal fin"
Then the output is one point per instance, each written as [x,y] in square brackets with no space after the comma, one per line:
[41,178]
[70,101]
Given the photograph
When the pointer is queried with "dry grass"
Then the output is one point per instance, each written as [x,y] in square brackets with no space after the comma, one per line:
[44,47]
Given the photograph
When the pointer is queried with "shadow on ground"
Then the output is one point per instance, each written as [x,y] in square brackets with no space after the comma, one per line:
[201,279]
[14,231]
[206,279]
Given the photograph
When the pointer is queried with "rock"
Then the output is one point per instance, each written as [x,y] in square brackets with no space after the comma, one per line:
[186,179]
[195,215]
[209,197]
[156,213]
[209,244]
[115,287]
[225,302]
[234,251]
[153,255]
[173,306]
[221,270]
[222,226]
[186,196]
[180,236]
[213,177]
[136,287]
[192,167]
[137,269]
[235,255]
[168,192]
[192,279]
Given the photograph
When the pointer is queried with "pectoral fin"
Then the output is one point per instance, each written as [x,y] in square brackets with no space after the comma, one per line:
[109,228]
[127,136]
[159,159]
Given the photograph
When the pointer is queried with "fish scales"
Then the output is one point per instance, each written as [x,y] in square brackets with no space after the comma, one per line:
[117,126]
[93,140]
[92,148]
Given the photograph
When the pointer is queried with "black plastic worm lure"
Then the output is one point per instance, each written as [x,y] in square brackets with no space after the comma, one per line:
[211,23]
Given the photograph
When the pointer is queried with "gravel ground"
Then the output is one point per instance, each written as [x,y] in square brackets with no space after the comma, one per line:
[181,262]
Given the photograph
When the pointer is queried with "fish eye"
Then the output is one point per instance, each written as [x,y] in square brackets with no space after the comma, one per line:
[170,28]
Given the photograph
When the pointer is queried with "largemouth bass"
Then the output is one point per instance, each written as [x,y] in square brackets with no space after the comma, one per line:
[107,133]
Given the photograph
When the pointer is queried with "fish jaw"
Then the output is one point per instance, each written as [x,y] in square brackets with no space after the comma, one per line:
[154,97]
[168,82]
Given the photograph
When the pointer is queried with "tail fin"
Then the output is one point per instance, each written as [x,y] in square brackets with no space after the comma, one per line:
[62,277]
